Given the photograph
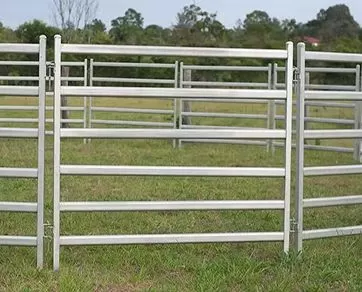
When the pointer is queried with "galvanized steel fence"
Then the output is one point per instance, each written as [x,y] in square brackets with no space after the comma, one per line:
[270,93]
[171,93]
[38,133]
[310,120]
[182,113]
[305,95]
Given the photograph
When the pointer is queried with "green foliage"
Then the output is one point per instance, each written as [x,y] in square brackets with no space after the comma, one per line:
[30,31]
[259,30]
[128,28]
[197,27]
[334,26]
[334,23]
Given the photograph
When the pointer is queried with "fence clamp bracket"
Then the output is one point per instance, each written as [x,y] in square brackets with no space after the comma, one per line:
[296,78]
[51,65]
[293,225]
[48,230]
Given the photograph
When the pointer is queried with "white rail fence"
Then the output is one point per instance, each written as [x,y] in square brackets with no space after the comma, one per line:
[38,133]
[185,105]
[172,111]
[305,95]
[276,94]
[34,81]
[182,113]
[311,119]
[171,93]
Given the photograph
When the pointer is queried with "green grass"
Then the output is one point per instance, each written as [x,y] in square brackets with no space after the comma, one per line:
[326,265]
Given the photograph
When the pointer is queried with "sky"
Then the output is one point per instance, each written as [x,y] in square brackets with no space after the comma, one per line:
[163,12]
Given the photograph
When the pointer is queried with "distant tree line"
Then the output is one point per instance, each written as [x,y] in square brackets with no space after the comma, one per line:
[334,29]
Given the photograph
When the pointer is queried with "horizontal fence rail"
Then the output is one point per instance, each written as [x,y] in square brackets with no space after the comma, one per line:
[170,93]
[37,173]
[173,51]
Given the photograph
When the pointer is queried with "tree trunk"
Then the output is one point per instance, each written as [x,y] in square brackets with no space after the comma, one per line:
[186,105]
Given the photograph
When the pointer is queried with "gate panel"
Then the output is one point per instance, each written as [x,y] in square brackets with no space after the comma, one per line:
[29,133]
[303,134]
[171,93]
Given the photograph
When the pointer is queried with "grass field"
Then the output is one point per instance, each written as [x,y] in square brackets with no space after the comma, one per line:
[326,265]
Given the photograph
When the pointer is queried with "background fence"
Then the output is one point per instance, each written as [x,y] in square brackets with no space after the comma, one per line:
[23,73]
[185,105]
[182,115]
[167,110]
[329,114]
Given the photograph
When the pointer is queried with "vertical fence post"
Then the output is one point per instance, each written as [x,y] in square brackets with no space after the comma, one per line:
[271,107]
[175,141]
[90,99]
[288,143]
[306,109]
[360,114]
[65,72]
[357,116]
[56,171]
[300,146]
[187,104]
[180,107]
[274,108]
[85,83]
[41,150]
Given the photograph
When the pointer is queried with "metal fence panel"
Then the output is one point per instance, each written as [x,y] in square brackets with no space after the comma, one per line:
[175,93]
[302,134]
[39,134]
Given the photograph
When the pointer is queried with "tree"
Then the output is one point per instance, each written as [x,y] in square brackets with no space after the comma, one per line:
[257,18]
[291,28]
[337,22]
[7,34]
[198,27]
[30,31]
[155,35]
[96,32]
[262,31]
[331,24]
[127,28]
[72,15]
[96,25]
